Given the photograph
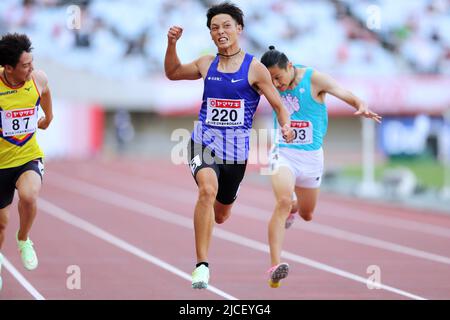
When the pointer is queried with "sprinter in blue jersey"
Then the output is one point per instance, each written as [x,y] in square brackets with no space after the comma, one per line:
[298,166]
[219,148]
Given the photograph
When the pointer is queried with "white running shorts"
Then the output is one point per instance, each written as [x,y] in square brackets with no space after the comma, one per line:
[307,166]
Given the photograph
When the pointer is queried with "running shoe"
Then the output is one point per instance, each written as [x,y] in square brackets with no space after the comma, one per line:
[27,253]
[277,273]
[291,218]
[289,221]
[200,277]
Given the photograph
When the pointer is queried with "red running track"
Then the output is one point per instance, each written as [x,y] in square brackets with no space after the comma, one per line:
[127,225]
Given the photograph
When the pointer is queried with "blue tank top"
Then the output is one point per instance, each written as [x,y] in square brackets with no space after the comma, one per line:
[227,111]
[309,118]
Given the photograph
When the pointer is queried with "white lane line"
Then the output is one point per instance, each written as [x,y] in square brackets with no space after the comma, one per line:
[256,245]
[349,213]
[88,227]
[345,212]
[264,215]
[107,196]
[21,279]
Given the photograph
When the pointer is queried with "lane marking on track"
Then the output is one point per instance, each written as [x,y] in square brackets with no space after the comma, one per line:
[346,211]
[256,213]
[92,229]
[21,279]
[350,213]
[129,204]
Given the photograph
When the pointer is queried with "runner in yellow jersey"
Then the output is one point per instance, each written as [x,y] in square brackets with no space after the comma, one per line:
[22,91]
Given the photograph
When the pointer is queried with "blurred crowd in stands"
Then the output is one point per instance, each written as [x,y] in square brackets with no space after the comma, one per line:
[127,38]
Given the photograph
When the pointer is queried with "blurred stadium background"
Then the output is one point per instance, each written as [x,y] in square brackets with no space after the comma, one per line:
[104,59]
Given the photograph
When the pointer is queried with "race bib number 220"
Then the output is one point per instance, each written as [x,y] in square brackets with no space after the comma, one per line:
[225,112]
[18,122]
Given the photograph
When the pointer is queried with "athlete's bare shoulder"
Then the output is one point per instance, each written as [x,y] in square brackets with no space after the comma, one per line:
[322,81]
[203,63]
[41,80]
[256,65]
[258,73]
[320,78]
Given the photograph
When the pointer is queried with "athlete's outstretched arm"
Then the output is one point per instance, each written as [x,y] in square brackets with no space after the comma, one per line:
[172,64]
[46,99]
[327,84]
[260,77]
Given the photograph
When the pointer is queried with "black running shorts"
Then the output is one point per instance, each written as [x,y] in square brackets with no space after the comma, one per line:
[9,177]
[229,175]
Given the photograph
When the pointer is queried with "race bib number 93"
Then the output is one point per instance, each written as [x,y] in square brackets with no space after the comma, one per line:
[303,132]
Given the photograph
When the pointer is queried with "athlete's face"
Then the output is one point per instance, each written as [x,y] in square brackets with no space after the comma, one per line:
[224,31]
[24,68]
[282,78]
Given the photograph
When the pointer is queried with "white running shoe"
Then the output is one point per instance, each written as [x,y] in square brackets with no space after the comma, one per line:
[200,277]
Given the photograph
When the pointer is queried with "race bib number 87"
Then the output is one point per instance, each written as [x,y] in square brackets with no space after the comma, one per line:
[225,112]
[303,132]
[18,122]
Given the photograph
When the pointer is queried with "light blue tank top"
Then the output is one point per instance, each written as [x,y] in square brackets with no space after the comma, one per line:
[309,119]
[226,116]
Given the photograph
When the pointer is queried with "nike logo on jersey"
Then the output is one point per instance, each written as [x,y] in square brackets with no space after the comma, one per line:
[28,89]
[234,81]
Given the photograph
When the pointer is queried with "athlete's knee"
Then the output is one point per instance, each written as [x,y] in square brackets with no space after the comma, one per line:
[3,223]
[221,217]
[207,193]
[29,195]
[307,215]
[294,206]
[284,203]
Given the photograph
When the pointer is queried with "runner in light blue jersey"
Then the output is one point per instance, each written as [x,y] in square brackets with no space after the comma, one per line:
[298,167]
[218,151]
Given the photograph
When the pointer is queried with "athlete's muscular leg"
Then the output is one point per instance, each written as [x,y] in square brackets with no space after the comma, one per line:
[4,217]
[222,212]
[230,180]
[283,183]
[307,200]
[28,186]
[294,204]
[204,211]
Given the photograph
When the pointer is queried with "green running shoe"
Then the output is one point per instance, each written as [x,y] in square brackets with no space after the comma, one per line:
[29,258]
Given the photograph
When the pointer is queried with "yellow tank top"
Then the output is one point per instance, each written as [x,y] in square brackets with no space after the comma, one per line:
[18,124]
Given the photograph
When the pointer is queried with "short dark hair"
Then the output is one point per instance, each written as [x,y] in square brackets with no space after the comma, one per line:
[12,45]
[274,57]
[225,8]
